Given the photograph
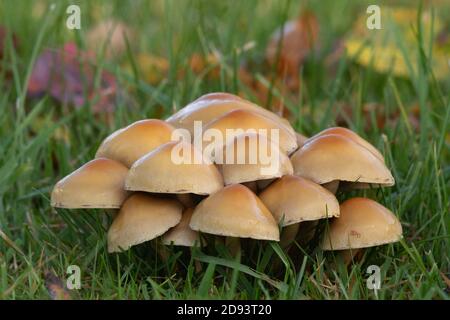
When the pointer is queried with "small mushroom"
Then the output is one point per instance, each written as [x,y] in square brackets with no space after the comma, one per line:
[293,200]
[182,234]
[246,160]
[142,218]
[128,144]
[352,136]
[362,223]
[214,105]
[235,211]
[248,120]
[159,172]
[97,184]
[334,157]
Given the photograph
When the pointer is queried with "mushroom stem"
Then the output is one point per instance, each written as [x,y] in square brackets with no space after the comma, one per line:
[234,245]
[332,186]
[350,255]
[288,236]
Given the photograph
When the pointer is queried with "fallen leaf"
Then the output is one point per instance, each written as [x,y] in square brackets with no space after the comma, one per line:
[381,50]
[206,64]
[68,75]
[111,34]
[151,68]
[298,38]
[55,287]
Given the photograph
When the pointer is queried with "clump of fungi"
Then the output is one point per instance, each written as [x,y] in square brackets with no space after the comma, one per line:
[154,196]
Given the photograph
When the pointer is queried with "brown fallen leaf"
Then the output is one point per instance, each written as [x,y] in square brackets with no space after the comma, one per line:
[446,280]
[55,287]
[298,38]
[68,75]
[208,64]
[111,34]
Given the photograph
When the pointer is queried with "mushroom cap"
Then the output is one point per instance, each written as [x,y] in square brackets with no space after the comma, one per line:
[252,157]
[335,157]
[159,172]
[301,139]
[97,184]
[128,144]
[362,223]
[235,211]
[248,120]
[142,217]
[352,136]
[182,234]
[293,199]
[213,105]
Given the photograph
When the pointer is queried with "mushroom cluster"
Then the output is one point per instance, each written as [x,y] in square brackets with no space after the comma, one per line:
[134,172]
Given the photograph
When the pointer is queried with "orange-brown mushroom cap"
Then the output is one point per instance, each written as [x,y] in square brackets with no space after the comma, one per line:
[97,184]
[128,144]
[252,157]
[362,223]
[335,157]
[182,234]
[214,105]
[246,121]
[174,167]
[352,136]
[293,199]
[142,217]
[235,211]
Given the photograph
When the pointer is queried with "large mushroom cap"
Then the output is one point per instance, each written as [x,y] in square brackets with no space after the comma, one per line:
[292,199]
[182,234]
[335,157]
[246,121]
[142,218]
[352,136]
[213,105]
[235,211]
[128,144]
[362,223]
[97,184]
[252,157]
[174,167]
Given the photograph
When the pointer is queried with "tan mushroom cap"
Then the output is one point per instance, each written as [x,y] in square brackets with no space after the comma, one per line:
[352,136]
[247,120]
[301,139]
[97,184]
[171,168]
[142,218]
[128,144]
[293,199]
[252,157]
[335,157]
[182,234]
[214,105]
[235,211]
[363,223]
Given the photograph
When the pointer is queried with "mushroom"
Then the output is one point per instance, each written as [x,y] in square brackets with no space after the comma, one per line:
[213,105]
[246,160]
[235,211]
[301,139]
[142,217]
[362,223]
[352,136]
[128,144]
[97,184]
[182,234]
[293,199]
[163,170]
[249,121]
[334,157]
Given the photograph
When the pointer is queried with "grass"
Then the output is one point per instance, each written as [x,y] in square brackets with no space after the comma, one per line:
[34,238]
